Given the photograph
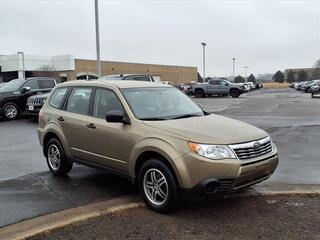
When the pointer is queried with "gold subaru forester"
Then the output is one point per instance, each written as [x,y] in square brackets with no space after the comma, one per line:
[156,136]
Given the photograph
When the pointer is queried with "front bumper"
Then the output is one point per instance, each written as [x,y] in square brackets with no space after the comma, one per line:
[32,110]
[204,176]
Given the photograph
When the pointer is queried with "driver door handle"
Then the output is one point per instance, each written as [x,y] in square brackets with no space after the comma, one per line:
[91,125]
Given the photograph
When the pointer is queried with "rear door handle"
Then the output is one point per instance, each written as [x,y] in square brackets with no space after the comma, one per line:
[91,125]
[60,119]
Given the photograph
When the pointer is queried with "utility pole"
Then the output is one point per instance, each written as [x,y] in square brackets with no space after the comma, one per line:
[245,72]
[96,7]
[233,67]
[23,67]
[204,60]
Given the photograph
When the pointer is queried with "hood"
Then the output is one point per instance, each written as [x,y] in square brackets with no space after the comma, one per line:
[211,129]
[44,95]
[5,93]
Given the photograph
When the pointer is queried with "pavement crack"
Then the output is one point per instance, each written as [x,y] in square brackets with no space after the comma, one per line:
[51,189]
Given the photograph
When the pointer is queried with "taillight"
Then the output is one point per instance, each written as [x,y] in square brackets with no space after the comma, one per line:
[41,116]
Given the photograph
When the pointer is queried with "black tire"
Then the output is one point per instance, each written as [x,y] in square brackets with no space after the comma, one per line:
[64,166]
[235,93]
[173,197]
[199,93]
[11,111]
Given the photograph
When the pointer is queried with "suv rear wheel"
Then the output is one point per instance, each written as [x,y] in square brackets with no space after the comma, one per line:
[11,111]
[235,93]
[56,158]
[158,186]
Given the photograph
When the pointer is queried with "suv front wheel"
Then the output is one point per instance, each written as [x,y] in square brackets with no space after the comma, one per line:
[56,158]
[11,111]
[158,186]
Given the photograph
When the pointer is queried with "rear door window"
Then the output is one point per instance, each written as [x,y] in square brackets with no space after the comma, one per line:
[130,78]
[142,78]
[46,84]
[57,97]
[79,101]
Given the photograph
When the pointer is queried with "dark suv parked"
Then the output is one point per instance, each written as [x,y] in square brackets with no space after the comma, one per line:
[35,103]
[14,94]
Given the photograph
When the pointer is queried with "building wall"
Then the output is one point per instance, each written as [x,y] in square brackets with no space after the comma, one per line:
[14,62]
[174,74]
[311,72]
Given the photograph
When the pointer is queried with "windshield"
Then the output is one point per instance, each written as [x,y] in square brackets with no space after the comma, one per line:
[13,85]
[160,103]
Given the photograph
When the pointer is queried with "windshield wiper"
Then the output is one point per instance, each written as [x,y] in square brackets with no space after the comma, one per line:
[186,116]
[153,119]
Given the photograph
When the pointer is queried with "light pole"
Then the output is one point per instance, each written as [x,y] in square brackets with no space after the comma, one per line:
[204,60]
[233,67]
[96,8]
[23,68]
[245,72]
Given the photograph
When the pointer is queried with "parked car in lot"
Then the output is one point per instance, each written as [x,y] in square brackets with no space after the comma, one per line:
[259,85]
[14,94]
[217,87]
[300,85]
[135,77]
[252,86]
[187,88]
[154,135]
[307,87]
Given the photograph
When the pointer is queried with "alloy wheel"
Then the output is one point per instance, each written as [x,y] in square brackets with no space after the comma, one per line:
[155,186]
[54,157]
[11,111]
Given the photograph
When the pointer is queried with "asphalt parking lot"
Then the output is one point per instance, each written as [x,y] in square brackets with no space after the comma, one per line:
[292,118]
[233,218]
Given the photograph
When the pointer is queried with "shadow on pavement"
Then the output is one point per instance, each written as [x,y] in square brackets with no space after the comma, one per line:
[41,193]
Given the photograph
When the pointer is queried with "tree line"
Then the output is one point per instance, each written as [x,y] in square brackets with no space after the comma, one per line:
[301,76]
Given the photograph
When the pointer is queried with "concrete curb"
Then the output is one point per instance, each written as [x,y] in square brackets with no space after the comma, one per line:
[42,224]
[35,226]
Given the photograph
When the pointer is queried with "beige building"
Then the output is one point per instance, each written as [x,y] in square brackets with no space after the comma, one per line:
[66,67]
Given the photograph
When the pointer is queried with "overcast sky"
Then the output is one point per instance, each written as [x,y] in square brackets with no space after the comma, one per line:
[264,35]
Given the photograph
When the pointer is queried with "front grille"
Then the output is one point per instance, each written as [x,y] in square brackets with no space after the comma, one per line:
[252,149]
[36,101]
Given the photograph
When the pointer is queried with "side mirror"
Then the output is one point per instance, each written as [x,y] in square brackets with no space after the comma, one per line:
[117,116]
[227,84]
[25,89]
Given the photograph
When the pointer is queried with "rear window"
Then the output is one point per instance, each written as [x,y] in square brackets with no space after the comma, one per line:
[79,101]
[57,97]
[44,84]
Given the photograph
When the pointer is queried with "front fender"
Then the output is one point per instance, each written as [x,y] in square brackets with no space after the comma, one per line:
[167,150]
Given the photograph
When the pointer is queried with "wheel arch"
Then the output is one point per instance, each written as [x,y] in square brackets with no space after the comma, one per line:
[233,88]
[52,131]
[148,155]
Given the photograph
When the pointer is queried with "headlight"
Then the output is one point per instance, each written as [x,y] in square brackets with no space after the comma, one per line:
[216,152]
[44,100]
